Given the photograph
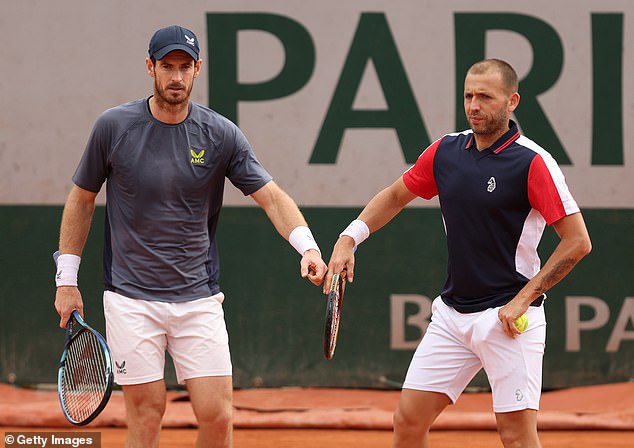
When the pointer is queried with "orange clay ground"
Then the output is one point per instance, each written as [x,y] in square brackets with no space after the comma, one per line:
[595,416]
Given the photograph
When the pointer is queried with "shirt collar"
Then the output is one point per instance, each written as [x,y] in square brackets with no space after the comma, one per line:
[503,142]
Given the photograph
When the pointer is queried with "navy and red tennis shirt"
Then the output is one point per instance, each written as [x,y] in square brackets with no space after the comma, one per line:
[495,205]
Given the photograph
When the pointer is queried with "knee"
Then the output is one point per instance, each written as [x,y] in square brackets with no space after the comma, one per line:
[152,415]
[147,412]
[510,438]
[218,418]
[408,425]
[399,419]
[517,438]
[518,429]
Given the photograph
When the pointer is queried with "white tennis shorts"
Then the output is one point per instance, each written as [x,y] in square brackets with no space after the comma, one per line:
[456,346]
[139,332]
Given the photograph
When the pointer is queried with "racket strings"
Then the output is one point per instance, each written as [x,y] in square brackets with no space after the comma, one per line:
[85,377]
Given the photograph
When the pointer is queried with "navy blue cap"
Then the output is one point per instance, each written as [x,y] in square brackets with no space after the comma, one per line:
[173,38]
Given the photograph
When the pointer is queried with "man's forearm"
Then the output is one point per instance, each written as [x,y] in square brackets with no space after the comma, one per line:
[76,220]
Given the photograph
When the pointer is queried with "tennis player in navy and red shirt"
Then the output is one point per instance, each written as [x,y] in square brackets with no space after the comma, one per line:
[497,191]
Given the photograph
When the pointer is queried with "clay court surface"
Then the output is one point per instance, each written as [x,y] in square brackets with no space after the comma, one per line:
[316,438]
[597,417]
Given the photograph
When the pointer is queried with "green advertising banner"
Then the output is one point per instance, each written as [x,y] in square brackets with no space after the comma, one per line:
[276,319]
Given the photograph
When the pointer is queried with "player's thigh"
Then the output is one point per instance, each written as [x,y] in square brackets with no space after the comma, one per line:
[513,365]
[442,362]
[211,396]
[135,332]
[197,339]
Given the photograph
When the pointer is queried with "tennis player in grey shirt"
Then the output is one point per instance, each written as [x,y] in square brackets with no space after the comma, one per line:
[164,160]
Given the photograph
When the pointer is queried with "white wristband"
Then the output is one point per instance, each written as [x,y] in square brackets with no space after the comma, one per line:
[67,269]
[302,240]
[357,230]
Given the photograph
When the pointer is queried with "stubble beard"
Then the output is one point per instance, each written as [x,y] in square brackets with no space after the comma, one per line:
[171,102]
[497,124]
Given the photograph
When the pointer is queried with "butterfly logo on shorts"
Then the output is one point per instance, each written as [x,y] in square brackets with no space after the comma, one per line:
[121,368]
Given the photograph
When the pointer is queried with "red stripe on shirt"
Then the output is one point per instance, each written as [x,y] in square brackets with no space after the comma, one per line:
[542,192]
[419,179]
[507,143]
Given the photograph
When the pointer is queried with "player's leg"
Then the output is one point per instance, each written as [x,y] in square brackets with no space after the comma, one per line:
[416,412]
[518,428]
[136,336]
[440,369]
[514,369]
[144,406]
[211,398]
[199,345]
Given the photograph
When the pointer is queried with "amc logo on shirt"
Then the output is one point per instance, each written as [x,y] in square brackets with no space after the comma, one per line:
[198,158]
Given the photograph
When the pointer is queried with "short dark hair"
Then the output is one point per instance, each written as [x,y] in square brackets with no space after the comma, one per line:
[509,76]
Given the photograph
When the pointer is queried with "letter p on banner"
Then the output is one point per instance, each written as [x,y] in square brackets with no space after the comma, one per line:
[225,90]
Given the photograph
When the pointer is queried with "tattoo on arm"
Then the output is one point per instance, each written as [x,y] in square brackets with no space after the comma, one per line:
[559,271]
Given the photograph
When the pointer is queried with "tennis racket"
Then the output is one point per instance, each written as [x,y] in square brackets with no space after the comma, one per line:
[85,377]
[333,313]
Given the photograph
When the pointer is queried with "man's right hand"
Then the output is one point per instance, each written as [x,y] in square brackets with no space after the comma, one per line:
[68,299]
[342,258]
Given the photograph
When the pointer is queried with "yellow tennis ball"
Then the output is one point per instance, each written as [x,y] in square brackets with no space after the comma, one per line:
[521,323]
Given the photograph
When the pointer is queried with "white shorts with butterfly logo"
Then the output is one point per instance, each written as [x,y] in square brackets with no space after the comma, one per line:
[456,346]
[139,332]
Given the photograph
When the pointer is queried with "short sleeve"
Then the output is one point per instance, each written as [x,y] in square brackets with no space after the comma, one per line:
[420,179]
[547,189]
[93,167]
[244,170]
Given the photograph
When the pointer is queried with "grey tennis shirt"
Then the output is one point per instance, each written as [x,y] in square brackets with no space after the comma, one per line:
[164,194]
